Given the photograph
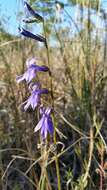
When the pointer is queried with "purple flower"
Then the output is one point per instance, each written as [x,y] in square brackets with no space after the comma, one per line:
[32,68]
[34,99]
[29,10]
[45,123]
[28,34]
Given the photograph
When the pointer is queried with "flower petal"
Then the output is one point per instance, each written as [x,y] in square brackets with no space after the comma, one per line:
[31,73]
[27,104]
[32,12]
[43,91]
[48,111]
[30,62]
[42,68]
[50,126]
[28,34]
[34,100]
[44,129]
[39,125]
[20,78]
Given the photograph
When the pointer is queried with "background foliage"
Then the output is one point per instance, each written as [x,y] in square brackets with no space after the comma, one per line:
[78,54]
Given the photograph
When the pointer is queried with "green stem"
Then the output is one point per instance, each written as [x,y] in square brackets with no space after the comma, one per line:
[48,59]
[57,164]
[52,103]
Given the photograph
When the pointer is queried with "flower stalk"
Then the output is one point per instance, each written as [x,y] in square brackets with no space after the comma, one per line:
[52,103]
[46,123]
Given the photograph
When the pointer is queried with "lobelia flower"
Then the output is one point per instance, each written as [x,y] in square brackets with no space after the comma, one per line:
[28,34]
[45,124]
[30,11]
[32,68]
[34,99]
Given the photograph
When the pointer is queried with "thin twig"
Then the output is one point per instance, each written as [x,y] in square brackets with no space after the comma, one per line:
[10,42]
[10,163]
[23,158]
[91,146]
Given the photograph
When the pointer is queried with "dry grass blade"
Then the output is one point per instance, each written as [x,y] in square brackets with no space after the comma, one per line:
[8,166]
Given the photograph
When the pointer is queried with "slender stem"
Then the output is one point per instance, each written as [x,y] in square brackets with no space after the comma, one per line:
[48,59]
[101,172]
[57,163]
[52,103]
[91,147]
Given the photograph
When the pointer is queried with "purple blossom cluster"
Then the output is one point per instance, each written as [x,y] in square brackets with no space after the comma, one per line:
[34,100]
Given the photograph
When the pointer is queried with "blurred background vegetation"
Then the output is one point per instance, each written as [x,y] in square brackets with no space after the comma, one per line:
[77,36]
